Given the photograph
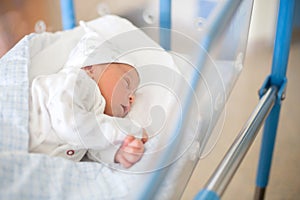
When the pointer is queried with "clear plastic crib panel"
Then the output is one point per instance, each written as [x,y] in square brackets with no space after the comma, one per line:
[209,52]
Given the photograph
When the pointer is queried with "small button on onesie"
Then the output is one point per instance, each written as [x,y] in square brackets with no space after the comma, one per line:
[70,152]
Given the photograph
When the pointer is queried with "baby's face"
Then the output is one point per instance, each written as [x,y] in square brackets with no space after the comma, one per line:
[117,84]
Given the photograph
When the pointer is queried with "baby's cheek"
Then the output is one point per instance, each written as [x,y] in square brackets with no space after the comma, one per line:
[108,110]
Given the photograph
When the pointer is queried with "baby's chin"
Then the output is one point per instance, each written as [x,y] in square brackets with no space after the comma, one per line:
[120,114]
[116,112]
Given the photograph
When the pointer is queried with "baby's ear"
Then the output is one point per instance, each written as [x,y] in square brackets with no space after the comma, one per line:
[88,68]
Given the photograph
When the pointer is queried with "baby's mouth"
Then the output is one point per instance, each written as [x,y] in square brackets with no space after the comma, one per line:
[125,109]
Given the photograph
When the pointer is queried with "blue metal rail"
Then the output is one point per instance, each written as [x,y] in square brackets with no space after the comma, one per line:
[277,78]
[165,23]
[67,14]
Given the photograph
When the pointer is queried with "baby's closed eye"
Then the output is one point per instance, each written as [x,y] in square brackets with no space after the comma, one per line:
[127,83]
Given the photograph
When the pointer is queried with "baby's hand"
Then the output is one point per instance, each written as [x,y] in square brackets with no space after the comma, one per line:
[131,151]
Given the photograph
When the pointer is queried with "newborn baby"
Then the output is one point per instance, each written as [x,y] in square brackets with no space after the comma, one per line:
[80,111]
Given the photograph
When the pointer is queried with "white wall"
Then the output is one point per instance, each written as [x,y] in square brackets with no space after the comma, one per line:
[263,22]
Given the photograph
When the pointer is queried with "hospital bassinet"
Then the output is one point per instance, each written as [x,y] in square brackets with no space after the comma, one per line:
[208,61]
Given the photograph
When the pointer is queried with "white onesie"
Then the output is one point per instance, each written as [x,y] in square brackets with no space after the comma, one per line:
[67,118]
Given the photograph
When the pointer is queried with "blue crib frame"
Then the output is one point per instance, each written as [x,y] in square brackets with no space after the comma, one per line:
[271,94]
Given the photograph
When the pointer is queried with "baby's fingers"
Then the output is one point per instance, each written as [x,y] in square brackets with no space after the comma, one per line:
[123,160]
[136,144]
[127,140]
[134,150]
[132,155]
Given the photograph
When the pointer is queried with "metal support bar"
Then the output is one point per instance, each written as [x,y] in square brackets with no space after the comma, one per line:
[67,14]
[165,7]
[278,79]
[234,156]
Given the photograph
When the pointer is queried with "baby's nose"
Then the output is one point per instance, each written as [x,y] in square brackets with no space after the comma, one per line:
[131,99]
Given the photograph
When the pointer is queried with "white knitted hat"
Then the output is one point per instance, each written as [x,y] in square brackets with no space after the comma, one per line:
[131,47]
[94,49]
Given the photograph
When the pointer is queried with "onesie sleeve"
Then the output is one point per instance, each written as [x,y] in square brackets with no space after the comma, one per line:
[104,136]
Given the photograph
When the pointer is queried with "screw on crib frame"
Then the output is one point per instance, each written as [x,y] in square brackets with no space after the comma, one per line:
[271,95]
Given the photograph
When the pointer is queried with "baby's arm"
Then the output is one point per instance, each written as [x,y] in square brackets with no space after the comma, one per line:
[131,151]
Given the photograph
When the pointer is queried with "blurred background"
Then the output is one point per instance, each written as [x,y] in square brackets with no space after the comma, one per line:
[19,18]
